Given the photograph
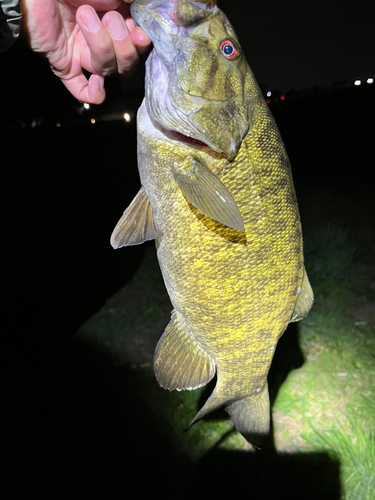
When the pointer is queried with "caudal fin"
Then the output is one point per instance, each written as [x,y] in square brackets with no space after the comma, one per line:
[213,403]
[251,417]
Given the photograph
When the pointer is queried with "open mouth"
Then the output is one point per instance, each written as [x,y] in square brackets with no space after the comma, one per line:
[190,140]
[177,136]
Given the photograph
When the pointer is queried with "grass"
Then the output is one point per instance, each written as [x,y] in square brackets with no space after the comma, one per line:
[354,447]
[329,403]
[326,405]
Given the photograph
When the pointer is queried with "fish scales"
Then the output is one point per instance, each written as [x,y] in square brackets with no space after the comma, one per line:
[218,292]
[223,212]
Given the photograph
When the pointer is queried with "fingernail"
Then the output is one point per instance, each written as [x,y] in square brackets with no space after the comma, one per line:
[116,26]
[98,80]
[90,19]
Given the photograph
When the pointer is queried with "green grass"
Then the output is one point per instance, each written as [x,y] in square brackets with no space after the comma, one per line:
[329,403]
[354,447]
[326,405]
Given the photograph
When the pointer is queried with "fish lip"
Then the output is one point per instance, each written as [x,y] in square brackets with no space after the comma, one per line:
[157,7]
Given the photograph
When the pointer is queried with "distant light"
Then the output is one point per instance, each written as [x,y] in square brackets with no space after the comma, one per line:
[93,120]
[282,97]
[269,93]
[58,124]
[268,101]
[86,106]
[127,117]
[370,80]
[357,83]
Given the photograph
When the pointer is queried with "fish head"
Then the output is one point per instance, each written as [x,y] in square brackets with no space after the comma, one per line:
[196,74]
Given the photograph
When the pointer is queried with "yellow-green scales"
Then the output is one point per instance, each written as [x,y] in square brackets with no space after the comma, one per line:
[235,276]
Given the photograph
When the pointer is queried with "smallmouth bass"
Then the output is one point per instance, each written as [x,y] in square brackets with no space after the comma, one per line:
[217,196]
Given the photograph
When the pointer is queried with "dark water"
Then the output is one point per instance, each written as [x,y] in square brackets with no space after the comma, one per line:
[78,426]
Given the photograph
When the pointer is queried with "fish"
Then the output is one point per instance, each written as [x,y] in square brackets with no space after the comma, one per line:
[217,196]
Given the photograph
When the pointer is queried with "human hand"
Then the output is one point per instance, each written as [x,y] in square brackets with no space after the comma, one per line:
[74,37]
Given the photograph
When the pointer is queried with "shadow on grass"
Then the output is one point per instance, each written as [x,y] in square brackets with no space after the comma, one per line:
[288,357]
[269,476]
[89,433]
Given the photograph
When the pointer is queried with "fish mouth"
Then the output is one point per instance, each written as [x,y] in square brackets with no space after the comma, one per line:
[190,140]
[182,13]
[195,143]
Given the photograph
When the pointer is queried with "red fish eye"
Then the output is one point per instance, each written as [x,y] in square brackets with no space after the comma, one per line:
[228,50]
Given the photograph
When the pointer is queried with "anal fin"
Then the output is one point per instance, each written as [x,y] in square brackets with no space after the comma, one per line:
[137,223]
[305,300]
[179,362]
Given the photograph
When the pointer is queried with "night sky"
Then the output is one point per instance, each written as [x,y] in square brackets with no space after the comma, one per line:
[291,44]
[302,43]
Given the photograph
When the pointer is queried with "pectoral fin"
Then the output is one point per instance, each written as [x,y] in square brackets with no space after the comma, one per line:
[179,362]
[137,223]
[305,300]
[207,193]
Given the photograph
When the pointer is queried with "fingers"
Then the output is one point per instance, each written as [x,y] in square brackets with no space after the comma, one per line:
[126,55]
[140,40]
[99,42]
[90,91]
[111,42]
[103,47]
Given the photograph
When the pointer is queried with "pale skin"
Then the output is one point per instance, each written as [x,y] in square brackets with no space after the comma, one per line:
[96,35]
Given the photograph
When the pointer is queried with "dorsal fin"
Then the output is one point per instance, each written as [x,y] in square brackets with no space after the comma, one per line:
[137,223]
[179,361]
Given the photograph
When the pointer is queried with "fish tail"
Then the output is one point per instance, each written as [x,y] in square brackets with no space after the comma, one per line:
[251,417]
[214,402]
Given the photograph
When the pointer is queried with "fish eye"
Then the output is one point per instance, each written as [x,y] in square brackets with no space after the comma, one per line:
[228,50]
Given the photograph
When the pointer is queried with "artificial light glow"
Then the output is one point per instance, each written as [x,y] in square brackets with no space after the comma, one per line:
[58,124]
[282,97]
[86,106]
[269,93]
[127,117]
[93,120]
[357,83]
[370,80]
